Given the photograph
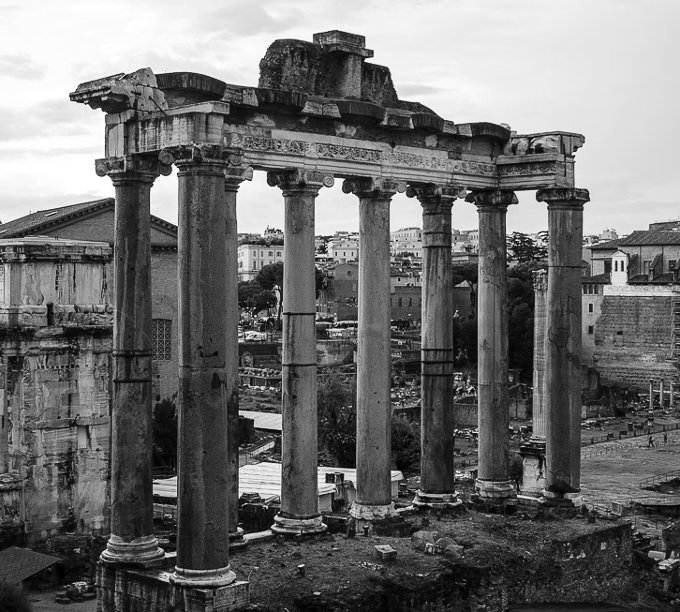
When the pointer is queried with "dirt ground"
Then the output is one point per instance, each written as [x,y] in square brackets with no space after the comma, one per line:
[283,573]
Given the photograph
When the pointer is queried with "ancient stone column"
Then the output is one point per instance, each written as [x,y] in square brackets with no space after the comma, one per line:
[299,489]
[651,394]
[533,452]
[131,539]
[670,394]
[234,176]
[206,389]
[493,484]
[563,376]
[374,409]
[437,473]
[661,398]
[4,419]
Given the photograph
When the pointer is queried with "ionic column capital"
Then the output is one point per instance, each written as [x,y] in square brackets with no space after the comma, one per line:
[136,167]
[492,198]
[208,157]
[235,175]
[540,280]
[380,188]
[563,197]
[294,182]
[435,196]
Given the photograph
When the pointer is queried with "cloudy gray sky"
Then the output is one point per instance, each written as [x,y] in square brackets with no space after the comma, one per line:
[605,68]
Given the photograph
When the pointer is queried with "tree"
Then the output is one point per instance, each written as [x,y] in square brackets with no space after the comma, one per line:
[337,420]
[253,296]
[523,248]
[521,318]
[271,276]
[338,428]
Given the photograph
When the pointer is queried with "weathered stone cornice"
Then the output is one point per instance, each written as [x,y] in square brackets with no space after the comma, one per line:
[298,116]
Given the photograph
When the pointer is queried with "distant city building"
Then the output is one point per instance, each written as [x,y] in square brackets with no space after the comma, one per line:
[465,241]
[343,247]
[253,257]
[631,307]
[407,240]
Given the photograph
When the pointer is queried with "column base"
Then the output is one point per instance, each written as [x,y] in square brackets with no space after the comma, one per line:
[236,539]
[290,526]
[572,499]
[496,496]
[203,579]
[142,551]
[372,512]
[495,489]
[235,596]
[436,501]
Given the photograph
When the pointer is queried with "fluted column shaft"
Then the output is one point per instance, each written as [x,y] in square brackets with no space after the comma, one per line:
[374,410]
[131,538]
[540,282]
[651,395]
[299,487]
[206,388]
[492,345]
[4,421]
[234,177]
[563,382]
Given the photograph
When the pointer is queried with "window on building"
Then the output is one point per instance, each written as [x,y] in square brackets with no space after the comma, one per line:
[596,289]
[161,339]
[271,253]
[399,303]
[585,289]
[590,308]
[591,329]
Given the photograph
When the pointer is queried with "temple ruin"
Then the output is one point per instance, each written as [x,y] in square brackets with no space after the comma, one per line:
[320,112]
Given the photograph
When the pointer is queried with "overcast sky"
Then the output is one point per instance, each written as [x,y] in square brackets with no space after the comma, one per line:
[605,68]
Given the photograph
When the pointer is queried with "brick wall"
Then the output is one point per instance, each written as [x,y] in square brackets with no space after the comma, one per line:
[633,340]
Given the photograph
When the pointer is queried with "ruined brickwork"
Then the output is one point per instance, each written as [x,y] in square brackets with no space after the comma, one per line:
[634,335]
[55,364]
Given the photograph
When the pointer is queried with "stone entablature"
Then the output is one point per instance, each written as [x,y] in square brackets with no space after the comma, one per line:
[300,117]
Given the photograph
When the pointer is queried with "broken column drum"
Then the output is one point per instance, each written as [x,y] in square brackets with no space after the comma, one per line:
[319,110]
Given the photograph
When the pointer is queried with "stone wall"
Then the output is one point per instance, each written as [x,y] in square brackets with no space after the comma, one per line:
[58,402]
[633,339]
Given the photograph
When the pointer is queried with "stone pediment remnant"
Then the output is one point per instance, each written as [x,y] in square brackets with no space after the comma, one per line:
[321,105]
